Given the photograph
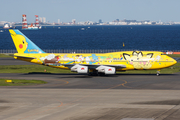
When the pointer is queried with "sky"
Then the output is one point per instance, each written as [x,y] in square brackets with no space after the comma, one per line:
[90,10]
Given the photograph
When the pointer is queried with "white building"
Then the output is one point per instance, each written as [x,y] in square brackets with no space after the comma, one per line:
[118,23]
[40,19]
[44,20]
[135,23]
[176,22]
[3,22]
[73,21]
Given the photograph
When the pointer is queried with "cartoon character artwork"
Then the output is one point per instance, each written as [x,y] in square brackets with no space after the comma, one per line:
[21,44]
[158,58]
[51,59]
[93,59]
[66,58]
[118,58]
[87,59]
[138,60]
[79,58]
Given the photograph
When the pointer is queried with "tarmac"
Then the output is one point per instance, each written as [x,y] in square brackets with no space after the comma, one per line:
[82,97]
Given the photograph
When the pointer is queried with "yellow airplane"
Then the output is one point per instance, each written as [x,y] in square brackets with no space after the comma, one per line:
[106,63]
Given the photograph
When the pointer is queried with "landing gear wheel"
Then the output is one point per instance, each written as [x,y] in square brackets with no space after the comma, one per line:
[101,74]
[93,73]
[158,72]
[90,74]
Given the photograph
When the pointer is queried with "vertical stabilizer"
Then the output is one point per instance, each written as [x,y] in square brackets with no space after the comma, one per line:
[24,44]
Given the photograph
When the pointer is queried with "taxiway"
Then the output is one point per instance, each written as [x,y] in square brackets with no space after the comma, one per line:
[82,97]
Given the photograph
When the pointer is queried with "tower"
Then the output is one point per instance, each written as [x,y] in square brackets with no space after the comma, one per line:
[58,21]
[100,21]
[73,21]
[24,22]
[37,21]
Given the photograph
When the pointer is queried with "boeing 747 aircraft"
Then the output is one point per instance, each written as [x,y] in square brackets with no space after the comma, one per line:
[106,63]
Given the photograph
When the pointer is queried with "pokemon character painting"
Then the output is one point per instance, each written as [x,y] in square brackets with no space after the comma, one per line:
[106,63]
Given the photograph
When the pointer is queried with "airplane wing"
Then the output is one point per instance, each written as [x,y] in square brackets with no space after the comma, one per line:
[83,68]
[94,66]
[117,66]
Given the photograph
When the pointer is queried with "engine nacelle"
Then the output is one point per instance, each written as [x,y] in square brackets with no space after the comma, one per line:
[110,70]
[80,69]
[106,70]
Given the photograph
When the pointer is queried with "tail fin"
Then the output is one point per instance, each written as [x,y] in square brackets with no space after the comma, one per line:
[23,44]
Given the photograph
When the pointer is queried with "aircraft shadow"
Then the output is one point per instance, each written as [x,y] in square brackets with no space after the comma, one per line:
[75,75]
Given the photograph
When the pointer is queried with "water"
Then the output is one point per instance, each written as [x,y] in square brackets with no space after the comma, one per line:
[100,37]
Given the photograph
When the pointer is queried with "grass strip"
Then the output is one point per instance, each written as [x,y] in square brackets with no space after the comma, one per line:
[174,55]
[170,70]
[31,69]
[21,82]
[6,55]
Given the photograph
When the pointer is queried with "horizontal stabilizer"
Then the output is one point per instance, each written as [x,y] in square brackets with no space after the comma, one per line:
[24,57]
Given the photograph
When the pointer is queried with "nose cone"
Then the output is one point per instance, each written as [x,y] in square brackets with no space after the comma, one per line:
[174,61]
[170,61]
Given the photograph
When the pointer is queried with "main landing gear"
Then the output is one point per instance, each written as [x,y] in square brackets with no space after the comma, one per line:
[95,73]
[158,72]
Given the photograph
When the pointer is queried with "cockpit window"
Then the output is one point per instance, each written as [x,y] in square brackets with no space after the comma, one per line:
[149,55]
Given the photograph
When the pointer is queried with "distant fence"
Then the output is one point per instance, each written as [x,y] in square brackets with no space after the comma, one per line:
[85,51]
[7,51]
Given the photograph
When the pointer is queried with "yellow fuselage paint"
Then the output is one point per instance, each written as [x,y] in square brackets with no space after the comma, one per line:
[140,60]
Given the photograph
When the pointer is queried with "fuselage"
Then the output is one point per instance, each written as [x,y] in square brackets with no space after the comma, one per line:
[139,60]
[106,63]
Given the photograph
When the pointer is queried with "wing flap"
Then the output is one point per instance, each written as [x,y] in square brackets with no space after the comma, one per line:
[94,66]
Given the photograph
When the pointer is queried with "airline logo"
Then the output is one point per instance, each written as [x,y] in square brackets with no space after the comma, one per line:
[109,69]
[33,50]
[82,68]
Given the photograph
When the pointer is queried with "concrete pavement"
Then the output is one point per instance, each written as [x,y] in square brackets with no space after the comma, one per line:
[80,97]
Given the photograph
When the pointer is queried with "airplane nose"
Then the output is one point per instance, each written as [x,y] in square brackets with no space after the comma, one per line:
[174,61]
[170,62]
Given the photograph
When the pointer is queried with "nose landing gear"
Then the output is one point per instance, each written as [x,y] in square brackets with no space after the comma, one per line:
[158,72]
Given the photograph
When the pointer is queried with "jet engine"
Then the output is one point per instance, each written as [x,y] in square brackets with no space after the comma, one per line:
[106,70]
[80,69]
